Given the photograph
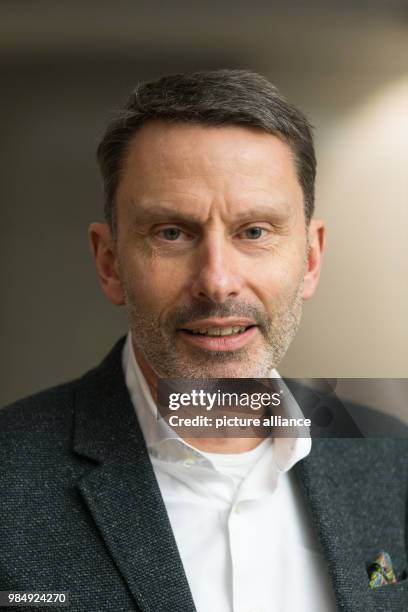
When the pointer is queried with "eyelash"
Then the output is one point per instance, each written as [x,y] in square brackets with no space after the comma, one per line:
[174,227]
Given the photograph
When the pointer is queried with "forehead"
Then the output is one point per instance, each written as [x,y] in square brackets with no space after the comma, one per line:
[194,160]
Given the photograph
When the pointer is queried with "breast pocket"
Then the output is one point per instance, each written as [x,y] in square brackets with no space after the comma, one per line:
[391,597]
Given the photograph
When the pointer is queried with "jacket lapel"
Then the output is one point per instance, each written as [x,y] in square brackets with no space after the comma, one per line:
[323,485]
[325,477]
[122,493]
[347,485]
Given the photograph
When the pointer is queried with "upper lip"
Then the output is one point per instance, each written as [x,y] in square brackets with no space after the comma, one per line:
[223,322]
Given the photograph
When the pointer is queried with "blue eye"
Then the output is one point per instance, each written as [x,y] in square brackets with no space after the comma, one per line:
[254,232]
[171,233]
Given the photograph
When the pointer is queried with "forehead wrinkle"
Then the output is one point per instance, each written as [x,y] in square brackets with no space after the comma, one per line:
[168,188]
[163,210]
[181,162]
[181,168]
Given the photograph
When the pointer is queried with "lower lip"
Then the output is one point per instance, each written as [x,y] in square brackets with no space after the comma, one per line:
[219,343]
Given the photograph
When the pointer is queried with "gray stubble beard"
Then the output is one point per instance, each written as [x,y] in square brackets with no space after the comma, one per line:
[160,349]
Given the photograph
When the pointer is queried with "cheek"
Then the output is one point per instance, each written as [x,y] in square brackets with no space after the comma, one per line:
[279,278]
[153,282]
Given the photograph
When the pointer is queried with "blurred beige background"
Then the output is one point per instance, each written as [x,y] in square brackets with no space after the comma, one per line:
[64,66]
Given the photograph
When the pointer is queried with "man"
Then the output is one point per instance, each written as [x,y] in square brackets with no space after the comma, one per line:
[211,245]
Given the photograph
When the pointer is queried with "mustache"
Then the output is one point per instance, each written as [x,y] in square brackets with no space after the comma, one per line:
[204,310]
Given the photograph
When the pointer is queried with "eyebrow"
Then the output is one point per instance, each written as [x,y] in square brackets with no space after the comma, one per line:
[162,212]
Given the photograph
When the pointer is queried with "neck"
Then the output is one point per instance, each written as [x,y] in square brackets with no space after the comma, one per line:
[209,445]
[147,371]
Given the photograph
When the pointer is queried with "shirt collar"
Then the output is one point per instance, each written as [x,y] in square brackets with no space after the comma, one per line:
[164,443]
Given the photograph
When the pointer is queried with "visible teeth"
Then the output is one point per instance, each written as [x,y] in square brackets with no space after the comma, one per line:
[227,331]
[220,331]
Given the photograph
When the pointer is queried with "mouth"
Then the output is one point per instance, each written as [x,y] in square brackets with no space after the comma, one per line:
[218,335]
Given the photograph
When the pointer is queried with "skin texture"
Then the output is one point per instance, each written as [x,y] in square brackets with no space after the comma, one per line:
[210,225]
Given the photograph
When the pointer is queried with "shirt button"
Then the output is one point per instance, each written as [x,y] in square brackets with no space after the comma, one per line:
[237,509]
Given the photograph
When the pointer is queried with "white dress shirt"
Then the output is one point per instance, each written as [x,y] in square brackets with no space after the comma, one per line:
[241,527]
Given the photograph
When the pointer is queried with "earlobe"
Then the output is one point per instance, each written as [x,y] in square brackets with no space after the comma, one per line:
[103,251]
[317,241]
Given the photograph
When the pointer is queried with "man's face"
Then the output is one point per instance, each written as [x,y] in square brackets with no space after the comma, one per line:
[211,249]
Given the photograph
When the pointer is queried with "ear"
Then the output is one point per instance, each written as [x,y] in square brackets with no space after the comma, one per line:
[102,247]
[317,241]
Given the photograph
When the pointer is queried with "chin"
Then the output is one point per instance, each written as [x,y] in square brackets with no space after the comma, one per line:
[231,370]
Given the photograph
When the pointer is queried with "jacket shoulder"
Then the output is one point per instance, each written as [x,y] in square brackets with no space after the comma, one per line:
[36,422]
[46,417]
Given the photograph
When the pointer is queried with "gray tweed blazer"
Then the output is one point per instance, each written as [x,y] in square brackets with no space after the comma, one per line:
[81,511]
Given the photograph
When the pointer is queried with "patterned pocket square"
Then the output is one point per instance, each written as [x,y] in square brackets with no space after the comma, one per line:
[381,571]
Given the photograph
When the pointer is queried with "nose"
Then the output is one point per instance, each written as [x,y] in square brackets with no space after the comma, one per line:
[217,275]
